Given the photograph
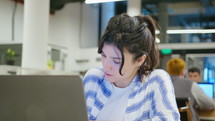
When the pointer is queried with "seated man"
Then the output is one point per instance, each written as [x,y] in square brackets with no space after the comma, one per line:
[194,74]
[187,88]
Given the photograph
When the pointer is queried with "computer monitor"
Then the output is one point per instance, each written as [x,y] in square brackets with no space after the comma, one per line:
[208,88]
[42,98]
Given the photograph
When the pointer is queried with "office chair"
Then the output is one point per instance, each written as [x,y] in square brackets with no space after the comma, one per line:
[184,108]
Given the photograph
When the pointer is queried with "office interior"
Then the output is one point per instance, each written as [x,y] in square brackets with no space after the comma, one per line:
[64,39]
[74,28]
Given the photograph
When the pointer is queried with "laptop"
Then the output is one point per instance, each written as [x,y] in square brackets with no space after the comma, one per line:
[208,88]
[42,98]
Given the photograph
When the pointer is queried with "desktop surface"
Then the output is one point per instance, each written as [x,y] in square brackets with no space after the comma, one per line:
[42,98]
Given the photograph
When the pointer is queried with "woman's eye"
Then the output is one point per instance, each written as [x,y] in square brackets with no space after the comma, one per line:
[117,61]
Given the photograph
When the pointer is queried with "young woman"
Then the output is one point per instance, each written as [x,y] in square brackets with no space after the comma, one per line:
[128,88]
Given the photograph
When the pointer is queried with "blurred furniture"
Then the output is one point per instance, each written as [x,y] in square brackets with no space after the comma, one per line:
[184,108]
[17,70]
[207,115]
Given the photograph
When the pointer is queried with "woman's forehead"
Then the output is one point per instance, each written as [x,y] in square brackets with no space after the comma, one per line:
[112,49]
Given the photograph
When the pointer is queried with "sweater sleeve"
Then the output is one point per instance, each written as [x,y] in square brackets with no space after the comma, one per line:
[165,98]
[203,101]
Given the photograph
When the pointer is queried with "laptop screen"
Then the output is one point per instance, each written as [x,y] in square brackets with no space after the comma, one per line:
[208,88]
[42,98]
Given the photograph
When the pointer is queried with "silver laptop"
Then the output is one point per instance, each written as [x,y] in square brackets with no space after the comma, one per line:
[42,98]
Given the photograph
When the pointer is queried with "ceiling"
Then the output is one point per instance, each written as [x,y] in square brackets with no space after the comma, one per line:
[55,4]
[182,14]
[59,4]
[188,12]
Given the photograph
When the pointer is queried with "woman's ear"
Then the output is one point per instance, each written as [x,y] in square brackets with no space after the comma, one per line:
[141,60]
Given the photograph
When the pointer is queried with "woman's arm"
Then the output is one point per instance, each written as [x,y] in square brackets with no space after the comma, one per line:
[165,102]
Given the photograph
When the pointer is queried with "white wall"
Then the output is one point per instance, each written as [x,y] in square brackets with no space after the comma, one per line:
[64,31]
[19,18]
[5,21]
[6,13]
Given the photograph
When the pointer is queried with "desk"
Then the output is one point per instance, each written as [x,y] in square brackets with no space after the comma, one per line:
[208,115]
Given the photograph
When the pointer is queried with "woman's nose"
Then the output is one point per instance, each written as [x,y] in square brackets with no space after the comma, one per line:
[107,65]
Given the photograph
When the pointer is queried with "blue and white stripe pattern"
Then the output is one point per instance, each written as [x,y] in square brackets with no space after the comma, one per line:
[151,100]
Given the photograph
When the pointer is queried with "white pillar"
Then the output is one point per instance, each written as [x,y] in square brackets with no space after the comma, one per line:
[35,38]
[134,7]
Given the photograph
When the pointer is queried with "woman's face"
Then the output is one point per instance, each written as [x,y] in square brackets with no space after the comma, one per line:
[111,60]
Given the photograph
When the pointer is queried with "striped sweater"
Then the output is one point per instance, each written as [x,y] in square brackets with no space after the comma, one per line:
[151,100]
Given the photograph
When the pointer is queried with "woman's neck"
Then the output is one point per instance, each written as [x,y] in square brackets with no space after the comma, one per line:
[124,83]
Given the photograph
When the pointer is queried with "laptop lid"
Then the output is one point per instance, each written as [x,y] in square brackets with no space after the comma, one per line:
[208,88]
[42,98]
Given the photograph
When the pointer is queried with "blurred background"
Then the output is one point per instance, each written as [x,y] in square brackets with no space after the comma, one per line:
[74,28]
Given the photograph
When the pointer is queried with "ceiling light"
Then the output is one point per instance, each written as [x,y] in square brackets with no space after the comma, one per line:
[100,1]
[191,31]
[188,31]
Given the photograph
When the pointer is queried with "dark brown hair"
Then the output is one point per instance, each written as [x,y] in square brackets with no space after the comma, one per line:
[194,69]
[137,35]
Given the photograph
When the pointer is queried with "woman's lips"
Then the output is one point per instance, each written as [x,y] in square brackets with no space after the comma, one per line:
[106,74]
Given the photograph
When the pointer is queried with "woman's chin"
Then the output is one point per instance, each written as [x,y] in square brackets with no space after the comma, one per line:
[111,80]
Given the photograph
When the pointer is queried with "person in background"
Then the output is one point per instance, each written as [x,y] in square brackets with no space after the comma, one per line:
[187,88]
[194,74]
[128,87]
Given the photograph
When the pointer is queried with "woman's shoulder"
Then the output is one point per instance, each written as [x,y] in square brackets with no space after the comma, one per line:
[94,75]
[95,72]
[159,74]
